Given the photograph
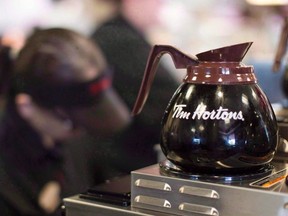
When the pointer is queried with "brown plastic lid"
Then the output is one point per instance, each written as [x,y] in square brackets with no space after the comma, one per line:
[222,66]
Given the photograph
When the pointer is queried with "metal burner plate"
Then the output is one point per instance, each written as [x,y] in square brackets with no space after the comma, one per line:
[189,195]
[167,168]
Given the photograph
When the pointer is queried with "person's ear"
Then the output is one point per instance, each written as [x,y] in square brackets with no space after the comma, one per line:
[24,105]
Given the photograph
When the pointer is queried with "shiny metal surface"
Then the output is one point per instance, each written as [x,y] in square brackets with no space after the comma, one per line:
[155,194]
[208,198]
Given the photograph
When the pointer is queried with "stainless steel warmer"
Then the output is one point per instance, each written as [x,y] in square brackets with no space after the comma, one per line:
[162,190]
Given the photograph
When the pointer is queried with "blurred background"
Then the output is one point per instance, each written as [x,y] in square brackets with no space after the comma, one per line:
[192,26]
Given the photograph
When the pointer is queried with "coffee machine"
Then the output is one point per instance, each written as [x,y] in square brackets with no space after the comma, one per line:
[219,139]
[219,135]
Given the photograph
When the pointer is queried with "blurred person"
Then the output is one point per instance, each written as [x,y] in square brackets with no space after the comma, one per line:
[126,49]
[60,87]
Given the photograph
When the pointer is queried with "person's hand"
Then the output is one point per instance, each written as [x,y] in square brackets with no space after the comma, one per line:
[49,197]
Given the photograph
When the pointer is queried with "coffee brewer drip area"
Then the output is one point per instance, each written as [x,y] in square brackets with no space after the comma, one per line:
[220,143]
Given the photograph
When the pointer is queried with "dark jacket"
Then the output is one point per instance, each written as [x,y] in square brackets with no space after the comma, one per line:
[25,167]
[127,51]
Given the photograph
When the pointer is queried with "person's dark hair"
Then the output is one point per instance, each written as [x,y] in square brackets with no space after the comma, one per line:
[54,54]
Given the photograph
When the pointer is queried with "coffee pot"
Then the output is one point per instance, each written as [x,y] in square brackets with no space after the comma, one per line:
[218,120]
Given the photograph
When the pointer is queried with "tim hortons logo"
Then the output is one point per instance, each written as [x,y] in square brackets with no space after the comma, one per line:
[201,113]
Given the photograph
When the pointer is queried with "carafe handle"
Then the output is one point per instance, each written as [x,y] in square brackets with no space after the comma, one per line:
[180,59]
